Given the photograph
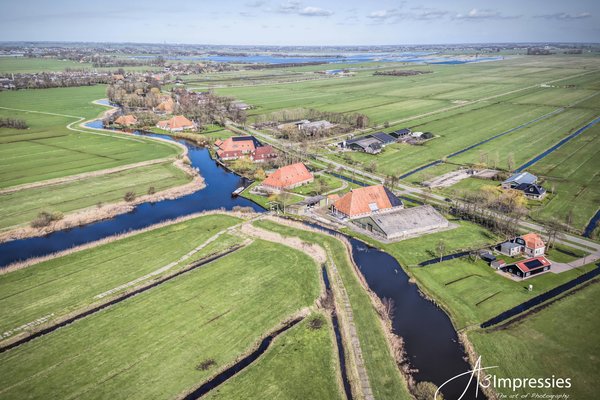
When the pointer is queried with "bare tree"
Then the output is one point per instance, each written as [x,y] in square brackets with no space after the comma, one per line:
[440,248]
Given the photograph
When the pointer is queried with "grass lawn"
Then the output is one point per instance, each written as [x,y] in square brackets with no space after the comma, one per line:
[564,254]
[23,206]
[49,150]
[68,283]
[384,377]
[473,292]
[150,345]
[264,200]
[324,181]
[288,369]
[567,344]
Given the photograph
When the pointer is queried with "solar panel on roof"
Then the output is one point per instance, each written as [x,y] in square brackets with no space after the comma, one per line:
[533,264]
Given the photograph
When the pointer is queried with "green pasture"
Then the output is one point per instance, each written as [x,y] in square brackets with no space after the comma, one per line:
[153,345]
[574,172]
[560,341]
[49,150]
[23,206]
[68,283]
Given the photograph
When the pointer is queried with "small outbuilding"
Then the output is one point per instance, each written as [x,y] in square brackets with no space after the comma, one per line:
[527,268]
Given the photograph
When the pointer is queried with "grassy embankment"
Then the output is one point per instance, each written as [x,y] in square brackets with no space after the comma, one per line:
[153,344]
[561,340]
[385,379]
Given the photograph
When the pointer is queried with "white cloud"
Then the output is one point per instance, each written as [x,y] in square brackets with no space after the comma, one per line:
[315,12]
[477,14]
[565,16]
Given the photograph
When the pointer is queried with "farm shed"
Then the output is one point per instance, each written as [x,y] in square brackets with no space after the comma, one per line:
[400,224]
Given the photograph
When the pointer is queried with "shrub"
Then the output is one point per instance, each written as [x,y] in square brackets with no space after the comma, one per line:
[426,391]
[206,364]
[151,190]
[46,218]
[316,323]
[129,196]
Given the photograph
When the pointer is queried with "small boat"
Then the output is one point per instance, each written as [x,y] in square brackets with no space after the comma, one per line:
[237,191]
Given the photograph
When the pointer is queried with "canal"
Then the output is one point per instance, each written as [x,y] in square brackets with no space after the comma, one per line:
[431,342]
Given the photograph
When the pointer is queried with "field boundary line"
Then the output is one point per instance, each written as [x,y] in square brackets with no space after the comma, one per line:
[84,175]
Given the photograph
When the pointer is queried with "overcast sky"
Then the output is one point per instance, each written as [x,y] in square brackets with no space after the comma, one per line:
[332,22]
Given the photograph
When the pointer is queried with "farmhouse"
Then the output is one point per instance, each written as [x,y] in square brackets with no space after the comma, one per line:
[176,124]
[366,144]
[243,146]
[519,178]
[532,191]
[126,120]
[288,177]
[527,268]
[403,223]
[531,245]
[534,245]
[366,201]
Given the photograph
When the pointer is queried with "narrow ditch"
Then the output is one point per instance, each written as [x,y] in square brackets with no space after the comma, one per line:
[117,300]
[240,365]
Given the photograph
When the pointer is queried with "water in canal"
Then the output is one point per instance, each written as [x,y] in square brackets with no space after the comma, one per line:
[430,340]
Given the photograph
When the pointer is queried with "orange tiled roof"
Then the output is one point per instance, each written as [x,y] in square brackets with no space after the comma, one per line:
[243,145]
[176,122]
[366,200]
[126,120]
[288,176]
[533,241]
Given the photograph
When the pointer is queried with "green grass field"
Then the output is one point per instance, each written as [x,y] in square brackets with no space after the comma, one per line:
[574,172]
[49,150]
[561,340]
[68,283]
[24,65]
[149,346]
[473,292]
[287,370]
[384,377]
[23,206]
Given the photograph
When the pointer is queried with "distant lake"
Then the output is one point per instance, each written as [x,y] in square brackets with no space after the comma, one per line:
[411,57]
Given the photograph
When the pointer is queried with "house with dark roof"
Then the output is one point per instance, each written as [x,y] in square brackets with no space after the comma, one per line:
[532,191]
[400,133]
[384,138]
[519,178]
[366,201]
[365,144]
[530,244]
[527,268]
